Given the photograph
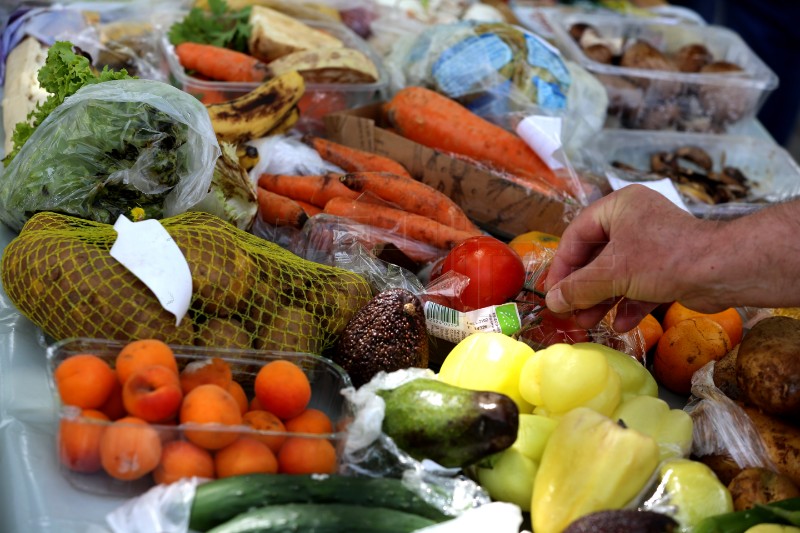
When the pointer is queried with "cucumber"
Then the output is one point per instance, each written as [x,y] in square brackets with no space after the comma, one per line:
[220,500]
[323,518]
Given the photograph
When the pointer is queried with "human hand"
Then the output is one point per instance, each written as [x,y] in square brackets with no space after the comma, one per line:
[630,248]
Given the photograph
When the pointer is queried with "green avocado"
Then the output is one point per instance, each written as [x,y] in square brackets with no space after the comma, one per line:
[450,425]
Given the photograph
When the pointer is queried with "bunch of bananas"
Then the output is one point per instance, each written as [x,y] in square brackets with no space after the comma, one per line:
[269,109]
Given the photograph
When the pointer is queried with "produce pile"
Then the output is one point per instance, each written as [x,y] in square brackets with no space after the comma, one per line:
[365,346]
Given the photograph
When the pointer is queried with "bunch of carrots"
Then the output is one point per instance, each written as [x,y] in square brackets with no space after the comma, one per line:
[437,121]
[374,191]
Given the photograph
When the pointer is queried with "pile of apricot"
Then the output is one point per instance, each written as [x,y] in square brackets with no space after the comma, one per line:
[141,413]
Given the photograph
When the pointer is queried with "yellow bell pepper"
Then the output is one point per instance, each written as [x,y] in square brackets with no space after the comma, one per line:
[672,428]
[590,463]
[562,377]
[636,379]
[488,361]
[508,476]
[694,491]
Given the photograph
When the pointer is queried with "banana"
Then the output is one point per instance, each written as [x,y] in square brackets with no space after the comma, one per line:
[248,156]
[287,122]
[255,114]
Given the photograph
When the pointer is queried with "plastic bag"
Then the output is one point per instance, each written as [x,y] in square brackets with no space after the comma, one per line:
[721,426]
[112,147]
[540,327]
[370,452]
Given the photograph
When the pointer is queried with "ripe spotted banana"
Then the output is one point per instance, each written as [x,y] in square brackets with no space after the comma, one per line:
[248,156]
[258,112]
[287,122]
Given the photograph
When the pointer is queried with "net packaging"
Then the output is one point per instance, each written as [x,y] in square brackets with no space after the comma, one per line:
[246,292]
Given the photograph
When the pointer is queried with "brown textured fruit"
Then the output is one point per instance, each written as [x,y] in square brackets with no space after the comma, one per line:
[623,521]
[387,334]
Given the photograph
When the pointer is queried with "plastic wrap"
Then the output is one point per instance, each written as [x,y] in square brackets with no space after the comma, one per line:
[542,328]
[112,147]
[721,426]
[114,34]
[500,72]
[370,452]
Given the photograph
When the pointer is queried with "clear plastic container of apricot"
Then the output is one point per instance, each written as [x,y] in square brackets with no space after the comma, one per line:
[131,416]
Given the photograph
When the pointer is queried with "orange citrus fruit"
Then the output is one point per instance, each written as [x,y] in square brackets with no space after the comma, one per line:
[729,319]
[686,347]
[534,242]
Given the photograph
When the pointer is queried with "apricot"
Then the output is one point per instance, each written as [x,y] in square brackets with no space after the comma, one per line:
[265,421]
[130,448]
[84,380]
[152,393]
[282,388]
[245,456]
[306,455]
[144,352]
[79,441]
[182,459]
[214,371]
[213,406]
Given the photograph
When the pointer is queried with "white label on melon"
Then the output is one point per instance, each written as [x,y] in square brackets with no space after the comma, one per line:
[149,252]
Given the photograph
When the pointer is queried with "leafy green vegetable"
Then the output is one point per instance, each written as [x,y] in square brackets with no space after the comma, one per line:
[219,26]
[63,73]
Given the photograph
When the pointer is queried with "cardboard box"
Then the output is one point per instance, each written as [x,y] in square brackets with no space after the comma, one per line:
[499,206]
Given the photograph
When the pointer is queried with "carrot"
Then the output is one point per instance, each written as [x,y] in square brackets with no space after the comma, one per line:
[279,210]
[436,121]
[409,225]
[310,209]
[354,160]
[412,196]
[314,189]
[220,63]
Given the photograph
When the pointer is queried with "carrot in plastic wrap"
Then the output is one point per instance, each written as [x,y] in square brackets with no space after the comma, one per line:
[410,225]
[279,210]
[354,160]
[412,196]
[439,122]
[314,189]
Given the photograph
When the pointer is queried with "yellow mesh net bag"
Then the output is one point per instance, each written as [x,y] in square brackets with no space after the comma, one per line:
[246,292]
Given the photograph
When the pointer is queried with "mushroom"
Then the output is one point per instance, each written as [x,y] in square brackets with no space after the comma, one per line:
[692,57]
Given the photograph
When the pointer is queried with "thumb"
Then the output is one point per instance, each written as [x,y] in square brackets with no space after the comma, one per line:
[585,287]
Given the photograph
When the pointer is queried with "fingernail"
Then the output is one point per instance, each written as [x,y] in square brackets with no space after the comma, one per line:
[555,301]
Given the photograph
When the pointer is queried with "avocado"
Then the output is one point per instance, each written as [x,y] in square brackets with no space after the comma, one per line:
[451,425]
[623,521]
[387,334]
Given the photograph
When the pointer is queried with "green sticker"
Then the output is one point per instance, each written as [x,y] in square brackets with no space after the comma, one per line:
[508,317]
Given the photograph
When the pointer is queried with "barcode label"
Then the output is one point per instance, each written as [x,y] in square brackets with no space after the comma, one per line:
[441,314]
[454,326]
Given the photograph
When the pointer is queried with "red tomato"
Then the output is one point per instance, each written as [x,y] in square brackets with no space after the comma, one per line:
[554,329]
[495,271]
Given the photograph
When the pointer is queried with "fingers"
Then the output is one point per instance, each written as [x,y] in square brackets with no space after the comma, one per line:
[583,239]
[630,313]
[599,281]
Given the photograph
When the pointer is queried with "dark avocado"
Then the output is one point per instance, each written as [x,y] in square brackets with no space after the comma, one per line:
[623,521]
[387,334]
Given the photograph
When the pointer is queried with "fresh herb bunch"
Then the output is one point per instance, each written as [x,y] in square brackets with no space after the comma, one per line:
[64,72]
[219,26]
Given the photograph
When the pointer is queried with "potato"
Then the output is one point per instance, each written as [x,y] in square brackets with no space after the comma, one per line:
[782,441]
[723,466]
[760,486]
[291,329]
[226,332]
[222,272]
[768,365]
[725,374]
